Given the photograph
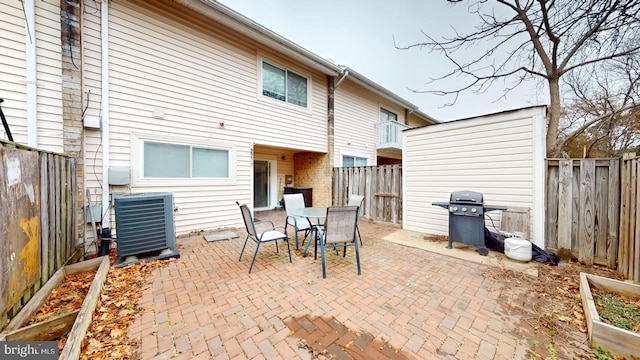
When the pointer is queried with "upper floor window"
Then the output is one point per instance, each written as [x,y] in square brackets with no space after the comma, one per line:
[386,115]
[164,160]
[351,161]
[284,85]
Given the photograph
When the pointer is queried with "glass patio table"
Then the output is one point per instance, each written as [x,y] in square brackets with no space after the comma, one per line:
[314,212]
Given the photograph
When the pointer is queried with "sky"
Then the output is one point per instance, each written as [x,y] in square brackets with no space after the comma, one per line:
[363,34]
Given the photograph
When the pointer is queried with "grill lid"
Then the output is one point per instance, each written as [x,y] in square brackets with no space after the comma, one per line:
[466,197]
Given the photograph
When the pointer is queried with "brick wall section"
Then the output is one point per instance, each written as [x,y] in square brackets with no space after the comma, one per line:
[314,170]
[73,130]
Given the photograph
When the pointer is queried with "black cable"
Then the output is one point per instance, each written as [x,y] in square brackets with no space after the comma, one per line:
[493,224]
[95,7]
[87,105]
[5,123]
[67,19]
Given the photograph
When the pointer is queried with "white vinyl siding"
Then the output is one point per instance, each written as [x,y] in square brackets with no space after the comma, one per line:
[500,156]
[174,80]
[13,69]
[48,72]
[357,111]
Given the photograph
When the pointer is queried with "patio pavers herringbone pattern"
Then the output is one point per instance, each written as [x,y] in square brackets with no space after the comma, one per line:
[205,304]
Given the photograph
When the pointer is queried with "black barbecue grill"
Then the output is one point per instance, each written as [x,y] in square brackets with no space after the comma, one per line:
[466,218]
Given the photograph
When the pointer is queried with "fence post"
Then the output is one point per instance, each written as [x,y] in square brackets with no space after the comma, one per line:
[613,213]
[565,175]
[629,187]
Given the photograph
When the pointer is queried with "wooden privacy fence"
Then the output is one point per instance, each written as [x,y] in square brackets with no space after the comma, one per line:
[37,222]
[582,209]
[629,248]
[381,187]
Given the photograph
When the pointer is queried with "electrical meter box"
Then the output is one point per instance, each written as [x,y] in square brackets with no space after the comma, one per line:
[119,175]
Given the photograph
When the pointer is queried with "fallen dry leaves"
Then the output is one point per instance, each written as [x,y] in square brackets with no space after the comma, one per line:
[67,297]
[559,313]
[118,306]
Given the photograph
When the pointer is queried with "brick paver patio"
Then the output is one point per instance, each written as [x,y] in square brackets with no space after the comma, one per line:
[407,304]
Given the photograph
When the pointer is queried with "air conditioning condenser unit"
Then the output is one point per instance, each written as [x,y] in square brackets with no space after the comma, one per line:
[145,227]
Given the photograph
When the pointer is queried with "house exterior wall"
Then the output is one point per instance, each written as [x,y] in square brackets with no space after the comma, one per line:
[500,155]
[174,76]
[13,73]
[357,111]
[415,121]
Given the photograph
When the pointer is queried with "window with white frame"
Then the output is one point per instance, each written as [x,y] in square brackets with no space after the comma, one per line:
[166,160]
[386,115]
[284,85]
[351,161]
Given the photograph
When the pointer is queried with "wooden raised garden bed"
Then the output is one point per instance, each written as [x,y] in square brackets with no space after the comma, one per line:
[74,322]
[616,340]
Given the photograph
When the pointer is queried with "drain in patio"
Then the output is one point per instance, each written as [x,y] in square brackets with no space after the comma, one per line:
[326,338]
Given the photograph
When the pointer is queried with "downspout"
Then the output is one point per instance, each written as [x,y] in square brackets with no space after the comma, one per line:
[407,114]
[345,73]
[332,85]
[104,105]
[331,107]
[32,91]
[330,133]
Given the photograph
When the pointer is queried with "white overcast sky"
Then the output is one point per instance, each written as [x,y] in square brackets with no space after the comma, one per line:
[361,33]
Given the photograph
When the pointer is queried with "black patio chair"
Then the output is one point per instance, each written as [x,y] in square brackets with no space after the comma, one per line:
[267,235]
[339,231]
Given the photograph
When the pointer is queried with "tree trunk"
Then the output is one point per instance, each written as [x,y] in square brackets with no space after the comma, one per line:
[553,150]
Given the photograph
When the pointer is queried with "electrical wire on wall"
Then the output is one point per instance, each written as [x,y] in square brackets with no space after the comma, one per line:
[105,210]
[96,8]
[66,17]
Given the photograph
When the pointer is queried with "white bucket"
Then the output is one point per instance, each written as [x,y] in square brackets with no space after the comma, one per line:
[517,249]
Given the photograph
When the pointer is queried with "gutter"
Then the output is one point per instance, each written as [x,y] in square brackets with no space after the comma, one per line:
[104,47]
[31,61]
[365,82]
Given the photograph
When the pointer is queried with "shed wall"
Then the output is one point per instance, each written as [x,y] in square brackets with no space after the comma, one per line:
[500,155]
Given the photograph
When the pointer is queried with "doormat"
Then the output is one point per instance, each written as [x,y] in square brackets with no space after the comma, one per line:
[223,235]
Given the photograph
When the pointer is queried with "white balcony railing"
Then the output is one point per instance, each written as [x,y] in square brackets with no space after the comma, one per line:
[390,134]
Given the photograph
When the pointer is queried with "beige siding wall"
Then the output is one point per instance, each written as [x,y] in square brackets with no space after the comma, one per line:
[173,82]
[415,121]
[13,69]
[49,72]
[357,111]
[501,156]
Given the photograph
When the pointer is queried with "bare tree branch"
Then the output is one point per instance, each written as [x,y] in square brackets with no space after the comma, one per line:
[547,40]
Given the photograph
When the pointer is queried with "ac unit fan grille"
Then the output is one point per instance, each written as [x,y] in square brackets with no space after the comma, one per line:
[144,224]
